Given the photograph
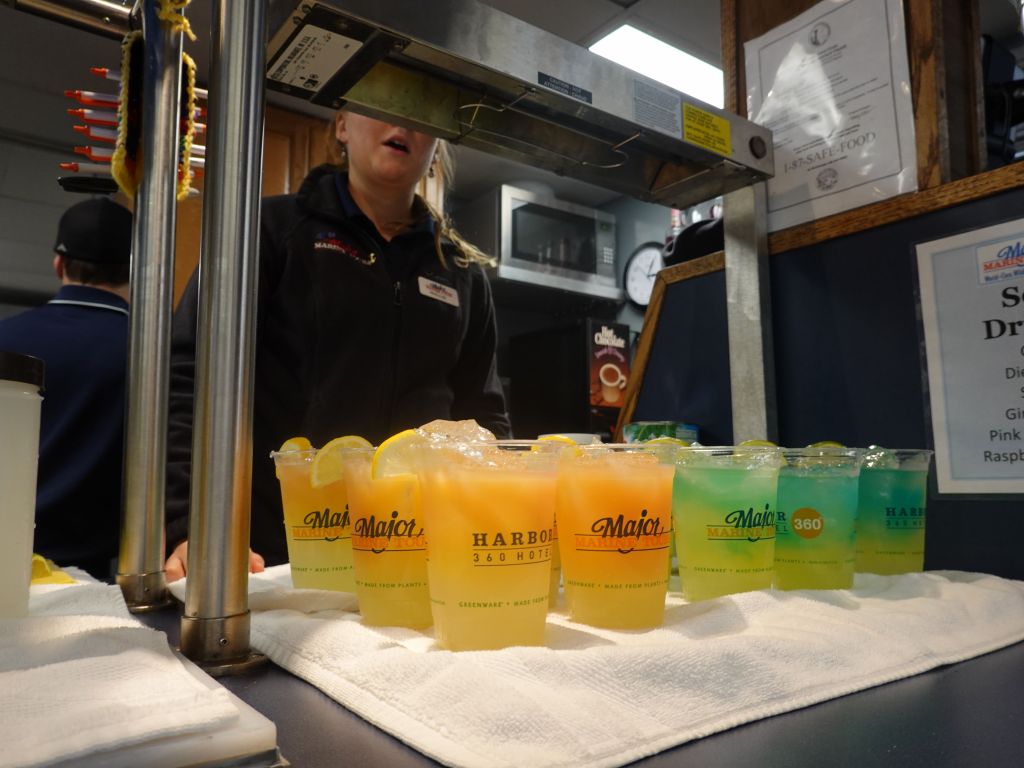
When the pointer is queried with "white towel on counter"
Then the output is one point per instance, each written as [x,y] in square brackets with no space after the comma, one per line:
[80,676]
[596,697]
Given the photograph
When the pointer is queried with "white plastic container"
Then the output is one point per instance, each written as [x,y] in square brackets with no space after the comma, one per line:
[21,381]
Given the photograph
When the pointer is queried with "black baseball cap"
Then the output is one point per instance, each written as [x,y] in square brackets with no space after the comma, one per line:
[97,230]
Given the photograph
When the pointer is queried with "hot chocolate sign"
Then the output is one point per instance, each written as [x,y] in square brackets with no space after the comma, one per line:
[609,364]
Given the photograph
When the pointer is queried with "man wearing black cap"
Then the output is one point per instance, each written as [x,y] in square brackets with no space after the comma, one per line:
[82,336]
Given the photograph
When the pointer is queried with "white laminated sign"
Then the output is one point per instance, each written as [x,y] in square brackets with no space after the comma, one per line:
[972,311]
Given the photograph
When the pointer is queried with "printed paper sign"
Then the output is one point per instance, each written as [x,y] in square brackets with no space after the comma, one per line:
[972,310]
[833,85]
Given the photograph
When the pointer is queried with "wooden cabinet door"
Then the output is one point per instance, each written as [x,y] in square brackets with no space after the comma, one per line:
[292,145]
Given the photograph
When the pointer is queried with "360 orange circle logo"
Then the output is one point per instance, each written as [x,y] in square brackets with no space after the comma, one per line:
[807,523]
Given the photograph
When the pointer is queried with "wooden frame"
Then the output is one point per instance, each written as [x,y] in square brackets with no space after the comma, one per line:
[898,208]
[688,270]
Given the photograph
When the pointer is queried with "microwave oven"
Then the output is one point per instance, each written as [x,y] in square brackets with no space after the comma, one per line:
[543,241]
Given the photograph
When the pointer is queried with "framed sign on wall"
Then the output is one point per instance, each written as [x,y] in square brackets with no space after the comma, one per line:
[972,313]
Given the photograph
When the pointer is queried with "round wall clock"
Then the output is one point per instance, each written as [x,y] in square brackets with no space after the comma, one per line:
[641,270]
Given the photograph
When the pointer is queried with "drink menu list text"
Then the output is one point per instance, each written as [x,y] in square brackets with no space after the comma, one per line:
[972,311]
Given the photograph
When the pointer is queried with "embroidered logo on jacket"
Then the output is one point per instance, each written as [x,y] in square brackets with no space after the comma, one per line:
[329,241]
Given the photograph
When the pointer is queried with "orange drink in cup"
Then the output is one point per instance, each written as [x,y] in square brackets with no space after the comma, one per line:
[389,548]
[614,507]
[489,511]
[316,517]
[556,554]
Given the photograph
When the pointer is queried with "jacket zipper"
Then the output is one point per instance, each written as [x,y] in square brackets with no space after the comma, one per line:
[395,343]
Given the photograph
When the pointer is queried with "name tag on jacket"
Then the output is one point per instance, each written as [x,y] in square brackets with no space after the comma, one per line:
[444,293]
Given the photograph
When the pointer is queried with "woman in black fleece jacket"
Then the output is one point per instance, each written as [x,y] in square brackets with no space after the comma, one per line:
[373,316]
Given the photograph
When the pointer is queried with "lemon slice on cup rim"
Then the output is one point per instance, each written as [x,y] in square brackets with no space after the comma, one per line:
[757,451]
[659,443]
[295,444]
[294,451]
[395,455]
[668,440]
[558,438]
[329,461]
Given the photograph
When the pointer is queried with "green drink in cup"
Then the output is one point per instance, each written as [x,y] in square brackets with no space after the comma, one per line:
[891,513]
[817,518]
[723,508]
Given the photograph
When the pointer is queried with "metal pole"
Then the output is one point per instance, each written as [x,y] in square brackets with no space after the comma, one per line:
[748,309]
[103,17]
[215,625]
[140,560]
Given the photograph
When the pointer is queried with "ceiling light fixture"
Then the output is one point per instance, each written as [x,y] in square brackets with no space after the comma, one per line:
[660,61]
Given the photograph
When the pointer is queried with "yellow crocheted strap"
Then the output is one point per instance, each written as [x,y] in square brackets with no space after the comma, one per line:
[188,124]
[172,12]
[124,164]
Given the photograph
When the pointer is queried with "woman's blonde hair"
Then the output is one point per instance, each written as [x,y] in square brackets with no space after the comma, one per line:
[443,164]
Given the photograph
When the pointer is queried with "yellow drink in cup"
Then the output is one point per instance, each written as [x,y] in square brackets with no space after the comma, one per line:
[389,548]
[614,505]
[489,511]
[316,521]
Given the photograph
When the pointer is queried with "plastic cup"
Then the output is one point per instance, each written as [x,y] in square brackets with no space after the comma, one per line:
[316,523]
[614,507]
[723,506]
[577,438]
[817,518]
[555,582]
[891,511]
[21,378]
[389,548]
[489,511]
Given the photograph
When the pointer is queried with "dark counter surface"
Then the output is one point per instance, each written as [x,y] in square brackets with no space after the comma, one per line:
[966,714]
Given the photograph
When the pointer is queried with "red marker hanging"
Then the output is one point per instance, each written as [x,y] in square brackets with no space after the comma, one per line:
[93,99]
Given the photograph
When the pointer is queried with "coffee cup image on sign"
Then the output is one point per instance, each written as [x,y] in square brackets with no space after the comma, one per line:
[613,381]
